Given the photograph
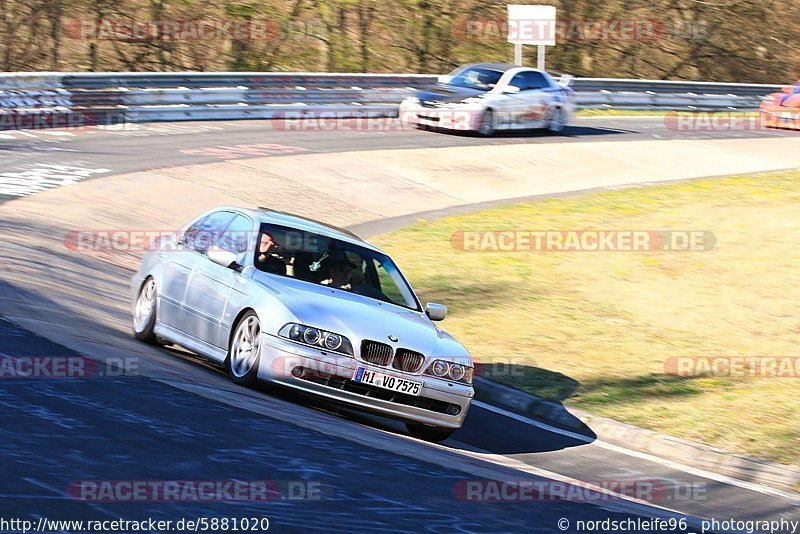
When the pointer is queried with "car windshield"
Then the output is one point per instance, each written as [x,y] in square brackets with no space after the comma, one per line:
[333,263]
[475,78]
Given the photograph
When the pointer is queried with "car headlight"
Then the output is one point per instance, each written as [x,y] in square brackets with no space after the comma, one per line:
[451,371]
[456,372]
[333,341]
[308,335]
[440,368]
[311,336]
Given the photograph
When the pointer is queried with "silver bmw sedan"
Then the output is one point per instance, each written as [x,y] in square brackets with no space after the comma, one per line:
[291,301]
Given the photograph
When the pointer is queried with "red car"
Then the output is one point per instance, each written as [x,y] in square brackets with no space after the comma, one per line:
[782,110]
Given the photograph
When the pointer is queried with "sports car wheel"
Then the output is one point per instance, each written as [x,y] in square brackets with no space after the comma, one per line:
[144,312]
[429,433]
[244,353]
[486,126]
[556,124]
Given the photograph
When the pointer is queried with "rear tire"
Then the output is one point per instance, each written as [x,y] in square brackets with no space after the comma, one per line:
[244,351]
[487,127]
[429,433]
[145,311]
[556,124]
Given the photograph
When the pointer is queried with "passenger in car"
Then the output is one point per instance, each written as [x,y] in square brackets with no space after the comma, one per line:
[340,272]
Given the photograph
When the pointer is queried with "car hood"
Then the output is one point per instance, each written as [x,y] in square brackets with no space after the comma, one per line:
[359,318]
[446,93]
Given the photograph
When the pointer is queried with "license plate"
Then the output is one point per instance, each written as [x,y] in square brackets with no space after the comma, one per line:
[392,383]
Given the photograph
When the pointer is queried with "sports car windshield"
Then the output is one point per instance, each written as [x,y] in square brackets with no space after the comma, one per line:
[330,262]
[475,78]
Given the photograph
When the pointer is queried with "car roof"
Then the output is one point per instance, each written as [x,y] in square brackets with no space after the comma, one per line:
[495,66]
[282,218]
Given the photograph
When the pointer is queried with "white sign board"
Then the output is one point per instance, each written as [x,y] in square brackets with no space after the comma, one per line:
[533,25]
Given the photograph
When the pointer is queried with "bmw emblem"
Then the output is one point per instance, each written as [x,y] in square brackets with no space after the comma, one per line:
[393,339]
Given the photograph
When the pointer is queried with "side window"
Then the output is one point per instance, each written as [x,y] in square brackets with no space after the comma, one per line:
[237,237]
[535,80]
[206,231]
[519,81]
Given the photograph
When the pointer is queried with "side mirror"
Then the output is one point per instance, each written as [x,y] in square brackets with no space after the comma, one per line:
[436,312]
[223,257]
[511,90]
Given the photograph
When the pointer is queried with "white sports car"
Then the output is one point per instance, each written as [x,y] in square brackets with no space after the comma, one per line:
[485,97]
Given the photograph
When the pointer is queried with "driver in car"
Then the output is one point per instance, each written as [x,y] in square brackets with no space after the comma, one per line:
[267,259]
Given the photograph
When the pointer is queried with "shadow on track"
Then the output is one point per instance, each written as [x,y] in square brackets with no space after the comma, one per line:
[483,430]
[569,132]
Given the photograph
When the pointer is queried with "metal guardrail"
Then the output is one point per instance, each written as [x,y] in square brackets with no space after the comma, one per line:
[37,100]
[671,86]
[40,100]
[618,93]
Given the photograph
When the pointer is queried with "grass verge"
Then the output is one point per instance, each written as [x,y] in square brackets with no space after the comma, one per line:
[596,330]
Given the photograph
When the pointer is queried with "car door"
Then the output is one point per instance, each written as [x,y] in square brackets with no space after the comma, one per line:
[211,284]
[180,263]
[532,108]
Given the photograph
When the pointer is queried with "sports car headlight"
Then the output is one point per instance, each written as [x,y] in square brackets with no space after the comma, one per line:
[440,368]
[456,372]
[450,371]
[314,337]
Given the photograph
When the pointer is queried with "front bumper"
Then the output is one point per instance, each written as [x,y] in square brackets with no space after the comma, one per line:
[463,118]
[324,374]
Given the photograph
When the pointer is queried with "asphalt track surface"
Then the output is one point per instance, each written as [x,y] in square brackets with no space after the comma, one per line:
[375,478]
[135,147]
[56,432]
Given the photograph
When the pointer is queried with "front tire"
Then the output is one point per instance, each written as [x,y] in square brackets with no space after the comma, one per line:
[145,311]
[429,433]
[244,353]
